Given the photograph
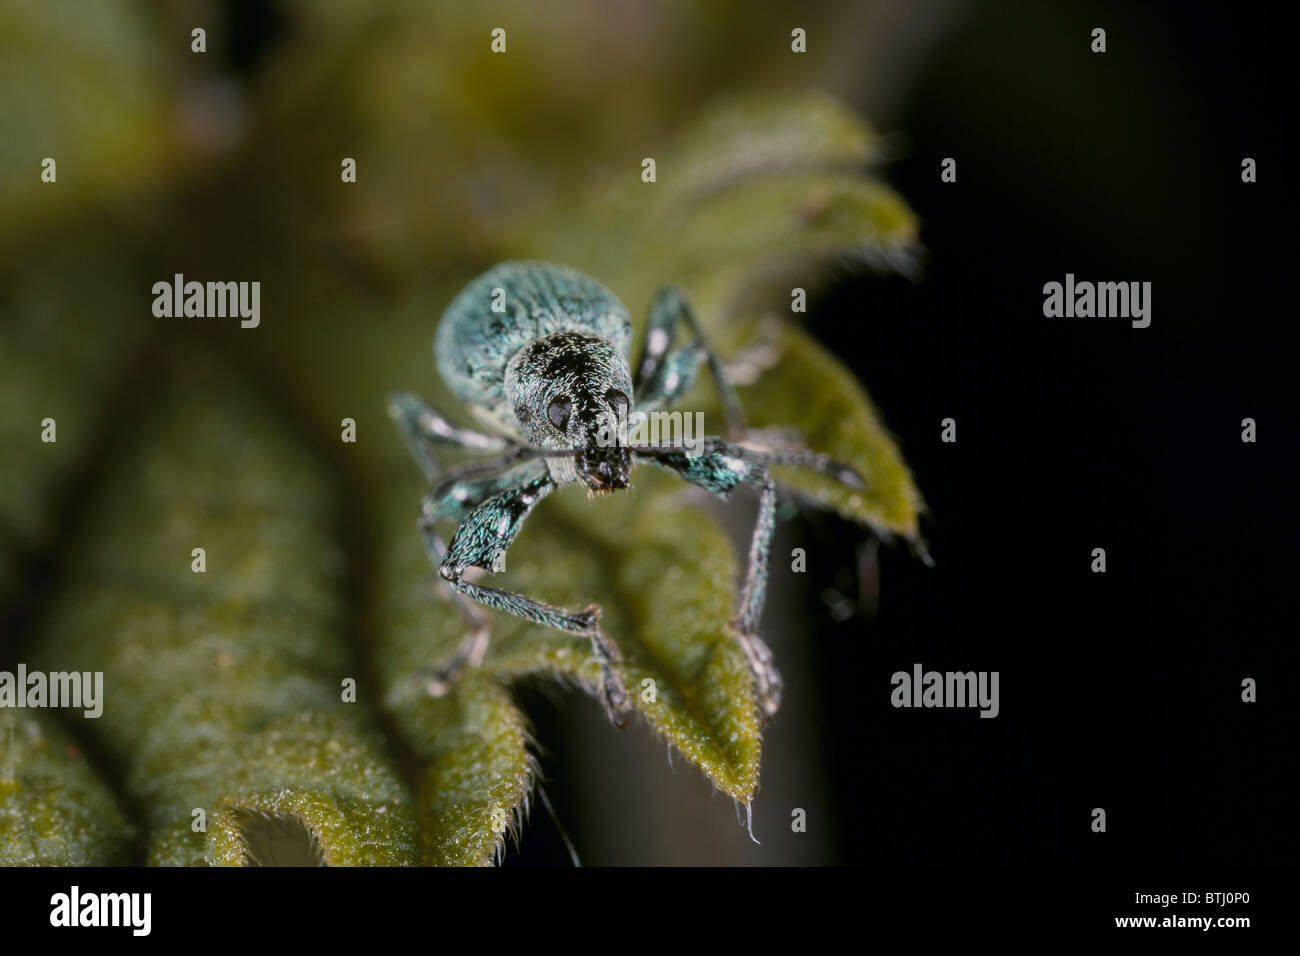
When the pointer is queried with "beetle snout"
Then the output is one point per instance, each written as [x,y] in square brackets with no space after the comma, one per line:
[605,469]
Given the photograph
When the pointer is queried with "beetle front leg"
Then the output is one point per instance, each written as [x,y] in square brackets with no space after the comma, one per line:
[719,470]
[452,500]
[482,541]
[720,467]
[767,678]
[585,623]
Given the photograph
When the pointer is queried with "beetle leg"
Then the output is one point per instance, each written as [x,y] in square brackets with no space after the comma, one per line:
[719,470]
[449,501]
[804,458]
[662,375]
[424,429]
[766,677]
[491,522]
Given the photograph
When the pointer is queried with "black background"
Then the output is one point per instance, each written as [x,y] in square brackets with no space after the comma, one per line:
[1120,690]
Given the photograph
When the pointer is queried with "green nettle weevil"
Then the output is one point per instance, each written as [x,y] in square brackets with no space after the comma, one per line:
[540,354]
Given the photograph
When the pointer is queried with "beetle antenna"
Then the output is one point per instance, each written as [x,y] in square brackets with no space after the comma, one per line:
[529,451]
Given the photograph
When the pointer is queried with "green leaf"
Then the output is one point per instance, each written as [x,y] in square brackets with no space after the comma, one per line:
[664,576]
[476,773]
[54,810]
[744,249]
[809,390]
[474,770]
[222,689]
[759,191]
[745,136]
[792,218]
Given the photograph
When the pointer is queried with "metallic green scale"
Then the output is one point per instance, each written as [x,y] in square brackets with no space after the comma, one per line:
[474,344]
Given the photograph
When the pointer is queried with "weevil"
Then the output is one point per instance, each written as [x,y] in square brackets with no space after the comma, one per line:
[541,356]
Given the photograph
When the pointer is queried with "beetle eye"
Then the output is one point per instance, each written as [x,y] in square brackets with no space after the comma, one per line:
[559,411]
[618,402]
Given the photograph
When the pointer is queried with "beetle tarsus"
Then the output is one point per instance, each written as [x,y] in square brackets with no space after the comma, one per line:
[767,679]
[471,652]
[613,694]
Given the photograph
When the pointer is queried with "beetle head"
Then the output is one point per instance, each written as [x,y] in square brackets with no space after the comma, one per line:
[572,390]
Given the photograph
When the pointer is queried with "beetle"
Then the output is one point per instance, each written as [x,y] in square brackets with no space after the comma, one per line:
[541,356]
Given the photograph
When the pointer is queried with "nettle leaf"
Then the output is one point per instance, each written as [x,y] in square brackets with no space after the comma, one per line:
[223,689]
[54,809]
[747,247]
[475,772]
[744,136]
[663,575]
[736,210]
[668,595]
[809,390]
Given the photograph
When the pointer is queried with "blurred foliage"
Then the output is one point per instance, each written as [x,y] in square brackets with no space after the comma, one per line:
[223,689]
[54,811]
[51,371]
[86,85]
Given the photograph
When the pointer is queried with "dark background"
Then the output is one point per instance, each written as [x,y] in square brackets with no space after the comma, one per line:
[1121,690]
